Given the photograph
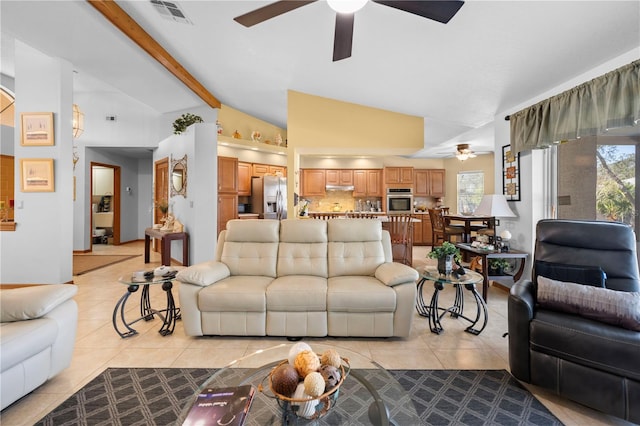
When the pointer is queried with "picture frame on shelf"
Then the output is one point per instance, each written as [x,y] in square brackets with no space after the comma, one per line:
[510,174]
[36,175]
[36,129]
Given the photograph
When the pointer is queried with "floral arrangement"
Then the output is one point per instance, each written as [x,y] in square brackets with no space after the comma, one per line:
[304,207]
[185,120]
[163,206]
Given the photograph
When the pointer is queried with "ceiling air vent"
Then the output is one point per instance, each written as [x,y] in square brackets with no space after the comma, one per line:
[171,11]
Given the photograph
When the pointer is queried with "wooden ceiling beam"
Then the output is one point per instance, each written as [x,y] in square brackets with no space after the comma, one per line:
[121,20]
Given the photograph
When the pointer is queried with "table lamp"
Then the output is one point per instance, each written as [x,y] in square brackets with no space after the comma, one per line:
[494,205]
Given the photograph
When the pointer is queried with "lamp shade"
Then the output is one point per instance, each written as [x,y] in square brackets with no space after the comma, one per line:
[494,205]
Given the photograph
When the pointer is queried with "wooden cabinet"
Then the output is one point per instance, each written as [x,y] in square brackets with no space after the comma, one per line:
[268,169]
[398,175]
[338,177]
[227,191]
[429,183]
[227,210]
[367,183]
[422,231]
[244,178]
[228,174]
[313,182]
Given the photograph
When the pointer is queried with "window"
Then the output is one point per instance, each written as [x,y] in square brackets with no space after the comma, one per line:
[470,190]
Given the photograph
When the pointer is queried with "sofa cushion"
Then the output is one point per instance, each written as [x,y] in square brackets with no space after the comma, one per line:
[303,248]
[238,293]
[355,247]
[244,258]
[33,301]
[391,274]
[619,308]
[359,294]
[297,293]
[586,342]
[354,230]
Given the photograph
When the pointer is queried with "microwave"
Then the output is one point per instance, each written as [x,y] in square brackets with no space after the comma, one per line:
[399,200]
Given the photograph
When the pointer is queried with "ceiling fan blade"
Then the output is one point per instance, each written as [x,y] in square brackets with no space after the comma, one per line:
[441,11]
[343,37]
[270,11]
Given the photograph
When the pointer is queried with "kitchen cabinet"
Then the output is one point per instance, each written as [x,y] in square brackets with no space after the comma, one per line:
[227,191]
[228,175]
[313,183]
[339,177]
[367,183]
[398,175]
[429,183]
[227,209]
[422,230]
[244,178]
[268,169]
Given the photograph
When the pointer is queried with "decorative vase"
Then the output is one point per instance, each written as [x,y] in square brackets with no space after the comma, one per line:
[445,264]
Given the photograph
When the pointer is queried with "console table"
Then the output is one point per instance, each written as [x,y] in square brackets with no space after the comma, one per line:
[489,254]
[165,245]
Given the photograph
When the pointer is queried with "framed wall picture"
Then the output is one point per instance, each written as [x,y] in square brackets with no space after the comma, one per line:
[36,129]
[36,175]
[510,174]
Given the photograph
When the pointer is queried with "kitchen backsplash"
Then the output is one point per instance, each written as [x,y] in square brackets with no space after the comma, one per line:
[344,201]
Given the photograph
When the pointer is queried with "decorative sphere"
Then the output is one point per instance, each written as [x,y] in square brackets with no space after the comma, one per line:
[314,384]
[331,357]
[296,349]
[331,376]
[505,235]
[284,380]
[306,362]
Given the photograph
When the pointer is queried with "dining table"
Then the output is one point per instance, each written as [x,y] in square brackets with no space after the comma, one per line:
[470,223]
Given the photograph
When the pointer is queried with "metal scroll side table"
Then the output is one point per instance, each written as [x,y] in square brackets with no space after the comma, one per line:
[435,313]
[169,315]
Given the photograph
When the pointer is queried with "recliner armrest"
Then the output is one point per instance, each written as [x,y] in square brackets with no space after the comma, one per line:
[204,274]
[393,273]
[33,301]
[521,309]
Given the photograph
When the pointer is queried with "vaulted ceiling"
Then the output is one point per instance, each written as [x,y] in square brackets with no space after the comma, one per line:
[492,56]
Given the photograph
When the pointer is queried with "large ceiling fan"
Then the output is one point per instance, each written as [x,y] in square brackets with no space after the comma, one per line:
[440,11]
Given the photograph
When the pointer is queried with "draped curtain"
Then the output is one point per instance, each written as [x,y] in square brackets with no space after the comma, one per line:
[594,107]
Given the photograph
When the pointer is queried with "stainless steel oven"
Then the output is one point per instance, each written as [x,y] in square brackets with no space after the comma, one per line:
[399,200]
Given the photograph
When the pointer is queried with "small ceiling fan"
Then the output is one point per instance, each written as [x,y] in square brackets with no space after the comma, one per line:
[463,152]
[440,11]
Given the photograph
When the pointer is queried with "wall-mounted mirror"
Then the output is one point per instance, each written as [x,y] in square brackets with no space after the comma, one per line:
[179,177]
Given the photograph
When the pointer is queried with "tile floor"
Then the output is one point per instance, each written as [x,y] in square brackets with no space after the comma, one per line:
[98,346]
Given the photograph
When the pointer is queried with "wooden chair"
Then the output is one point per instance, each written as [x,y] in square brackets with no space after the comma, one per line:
[400,229]
[324,216]
[440,230]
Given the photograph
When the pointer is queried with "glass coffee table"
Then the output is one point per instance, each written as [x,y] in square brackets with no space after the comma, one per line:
[368,395]
[435,313]
[169,315]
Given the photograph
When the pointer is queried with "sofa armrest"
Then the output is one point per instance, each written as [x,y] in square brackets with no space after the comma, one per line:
[393,273]
[34,301]
[204,274]
[521,309]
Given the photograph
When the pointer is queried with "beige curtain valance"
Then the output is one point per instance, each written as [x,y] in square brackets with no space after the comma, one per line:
[606,102]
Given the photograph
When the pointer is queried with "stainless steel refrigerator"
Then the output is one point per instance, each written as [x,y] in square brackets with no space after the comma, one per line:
[269,196]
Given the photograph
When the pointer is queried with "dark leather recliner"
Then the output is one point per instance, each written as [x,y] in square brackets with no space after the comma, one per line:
[587,361]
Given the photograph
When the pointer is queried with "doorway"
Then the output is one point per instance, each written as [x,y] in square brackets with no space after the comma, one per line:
[105,204]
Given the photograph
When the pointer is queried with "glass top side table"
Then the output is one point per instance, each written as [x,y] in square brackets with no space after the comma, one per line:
[435,313]
[169,315]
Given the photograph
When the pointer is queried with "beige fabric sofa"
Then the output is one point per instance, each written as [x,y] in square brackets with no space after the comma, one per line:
[37,334]
[298,278]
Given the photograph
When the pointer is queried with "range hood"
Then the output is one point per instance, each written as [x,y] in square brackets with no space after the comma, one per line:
[339,187]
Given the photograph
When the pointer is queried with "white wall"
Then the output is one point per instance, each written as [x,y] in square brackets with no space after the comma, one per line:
[534,177]
[40,249]
[198,211]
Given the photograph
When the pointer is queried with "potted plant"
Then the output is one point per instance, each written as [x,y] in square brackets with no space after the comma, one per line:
[497,266]
[184,121]
[446,254]
[163,206]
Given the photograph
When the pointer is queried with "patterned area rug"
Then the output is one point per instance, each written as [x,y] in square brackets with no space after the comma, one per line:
[83,263]
[157,396]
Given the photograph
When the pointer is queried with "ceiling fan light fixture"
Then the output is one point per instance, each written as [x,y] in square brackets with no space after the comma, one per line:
[463,152]
[346,6]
